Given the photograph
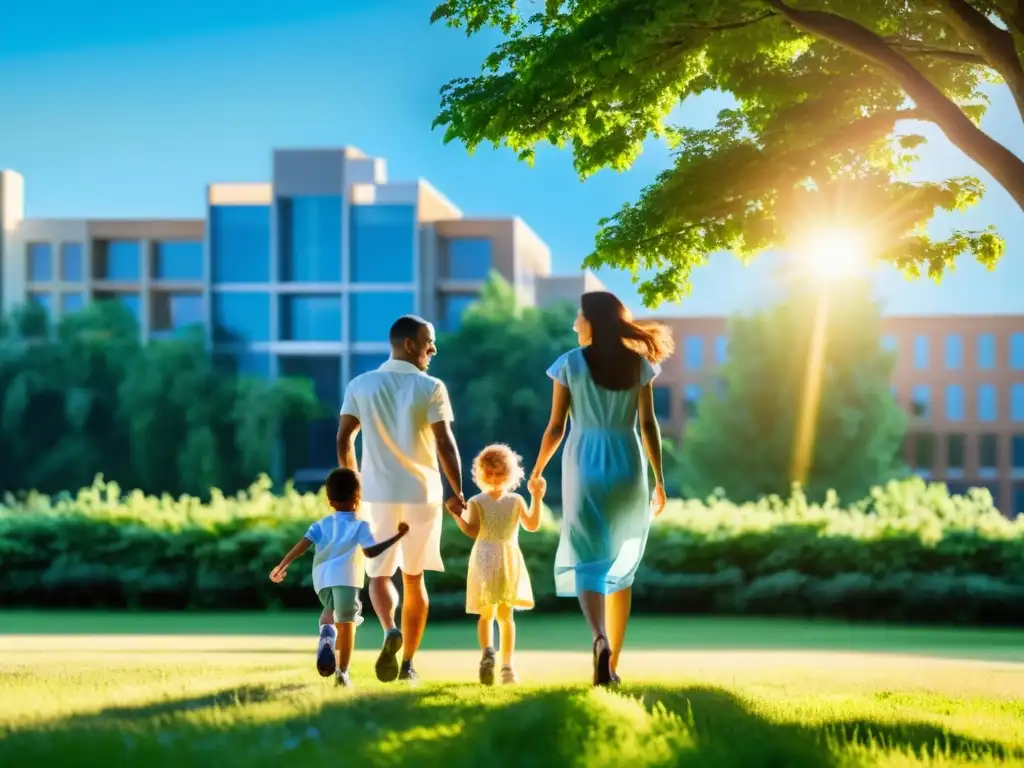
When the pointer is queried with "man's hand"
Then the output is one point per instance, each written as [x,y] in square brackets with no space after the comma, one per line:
[456,505]
[658,500]
[403,528]
[277,575]
[537,486]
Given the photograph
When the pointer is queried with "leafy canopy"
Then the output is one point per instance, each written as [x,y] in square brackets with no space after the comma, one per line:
[827,95]
[742,439]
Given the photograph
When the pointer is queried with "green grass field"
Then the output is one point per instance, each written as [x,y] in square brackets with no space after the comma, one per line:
[226,690]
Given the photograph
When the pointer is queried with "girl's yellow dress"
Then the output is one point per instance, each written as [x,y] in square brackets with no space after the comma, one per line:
[497,571]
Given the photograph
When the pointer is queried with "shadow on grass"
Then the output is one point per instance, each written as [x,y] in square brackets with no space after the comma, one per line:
[464,725]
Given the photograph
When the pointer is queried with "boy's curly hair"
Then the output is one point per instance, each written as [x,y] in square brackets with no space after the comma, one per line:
[498,466]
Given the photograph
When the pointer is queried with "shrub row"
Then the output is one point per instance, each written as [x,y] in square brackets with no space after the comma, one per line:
[909,552]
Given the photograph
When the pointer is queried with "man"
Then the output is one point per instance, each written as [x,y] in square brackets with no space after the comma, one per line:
[405,417]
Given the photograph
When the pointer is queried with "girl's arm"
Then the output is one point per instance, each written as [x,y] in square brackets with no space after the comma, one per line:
[469,527]
[277,575]
[555,430]
[530,516]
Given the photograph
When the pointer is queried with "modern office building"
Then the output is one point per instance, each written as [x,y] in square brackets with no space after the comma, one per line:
[301,275]
[961,379]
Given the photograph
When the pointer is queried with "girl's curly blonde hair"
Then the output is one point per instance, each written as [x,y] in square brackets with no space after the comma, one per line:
[498,466]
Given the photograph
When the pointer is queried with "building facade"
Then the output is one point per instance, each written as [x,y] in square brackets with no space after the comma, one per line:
[961,380]
[299,276]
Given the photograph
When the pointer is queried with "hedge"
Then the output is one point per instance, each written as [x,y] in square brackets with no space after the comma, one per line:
[909,552]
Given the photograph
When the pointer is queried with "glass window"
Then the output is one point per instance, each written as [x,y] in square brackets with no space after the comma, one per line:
[662,402]
[131,300]
[72,262]
[987,406]
[469,258]
[693,352]
[955,402]
[1018,499]
[452,307]
[955,455]
[72,302]
[243,363]
[240,243]
[924,452]
[241,317]
[921,401]
[1017,402]
[174,311]
[310,238]
[889,343]
[1017,453]
[371,315]
[117,260]
[986,351]
[1017,351]
[178,260]
[314,445]
[365,363]
[988,454]
[40,262]
[721,349]
[383,244]
[42,299]
[691,398]
[311,317]
[921,353]
[957,488]
[954,352]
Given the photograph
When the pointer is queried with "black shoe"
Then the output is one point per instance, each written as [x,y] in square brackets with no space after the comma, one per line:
[326,662]
[342,680]
[387,662]
[487,667]
[602,661]
[408,673]
[615,679]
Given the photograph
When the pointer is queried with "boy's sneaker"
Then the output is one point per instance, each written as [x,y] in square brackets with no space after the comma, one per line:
[508,675]
[408,673]
[342,679]
[326,663]
[487,667]
[387,662]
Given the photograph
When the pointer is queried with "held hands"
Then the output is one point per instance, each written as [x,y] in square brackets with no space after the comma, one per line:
[658,499]
[537,486]
[403,528]
[277,575]
[456,505]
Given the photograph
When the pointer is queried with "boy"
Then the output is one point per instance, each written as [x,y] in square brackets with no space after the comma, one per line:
[341,540]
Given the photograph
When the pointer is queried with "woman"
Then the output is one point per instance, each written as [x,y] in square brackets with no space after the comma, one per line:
[606,510]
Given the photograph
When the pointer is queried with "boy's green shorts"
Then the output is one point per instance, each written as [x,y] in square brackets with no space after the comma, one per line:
[345,603]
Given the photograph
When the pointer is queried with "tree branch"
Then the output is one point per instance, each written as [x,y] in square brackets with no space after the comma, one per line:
[1004,165]
[913,48]
[996,45]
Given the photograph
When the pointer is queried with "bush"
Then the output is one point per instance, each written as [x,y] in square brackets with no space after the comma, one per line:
[909,552]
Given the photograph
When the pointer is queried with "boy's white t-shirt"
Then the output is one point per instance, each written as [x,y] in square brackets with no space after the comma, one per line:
[339,540]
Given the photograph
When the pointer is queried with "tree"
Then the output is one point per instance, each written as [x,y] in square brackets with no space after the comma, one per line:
[495,367]
[742,439]
[823,92]
[88,398]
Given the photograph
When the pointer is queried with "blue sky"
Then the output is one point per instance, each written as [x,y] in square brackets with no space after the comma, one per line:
[119,108]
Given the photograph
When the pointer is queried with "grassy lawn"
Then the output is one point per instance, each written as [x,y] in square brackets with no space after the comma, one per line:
[226,690]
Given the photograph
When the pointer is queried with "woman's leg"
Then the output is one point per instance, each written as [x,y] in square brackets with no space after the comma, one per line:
[593,606]
[617,608]
[507,628]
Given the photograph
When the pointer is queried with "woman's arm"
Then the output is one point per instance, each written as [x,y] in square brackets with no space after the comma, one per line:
[469,527]
[530,516]
[555,430]
[650,434]
[277,575]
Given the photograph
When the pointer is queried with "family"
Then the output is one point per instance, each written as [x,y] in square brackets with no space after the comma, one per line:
[389,517]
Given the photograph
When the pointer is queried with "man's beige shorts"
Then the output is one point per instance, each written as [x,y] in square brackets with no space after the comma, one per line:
[418,551]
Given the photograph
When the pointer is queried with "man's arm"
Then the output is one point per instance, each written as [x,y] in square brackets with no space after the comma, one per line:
[348,428]
[448,457]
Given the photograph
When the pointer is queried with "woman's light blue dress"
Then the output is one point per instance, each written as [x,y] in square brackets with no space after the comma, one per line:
[606,506]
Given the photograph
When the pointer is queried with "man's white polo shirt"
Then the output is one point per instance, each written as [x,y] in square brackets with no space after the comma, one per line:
[395,405]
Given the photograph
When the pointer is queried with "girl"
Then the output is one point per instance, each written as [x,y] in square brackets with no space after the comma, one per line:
[497,581]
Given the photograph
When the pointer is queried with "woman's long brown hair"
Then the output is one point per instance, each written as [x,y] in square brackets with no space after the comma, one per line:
[618,343]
